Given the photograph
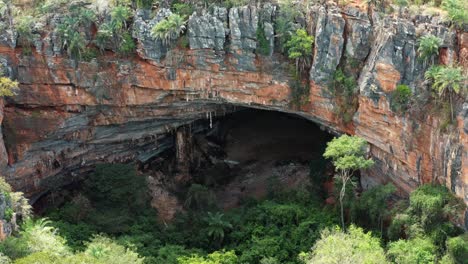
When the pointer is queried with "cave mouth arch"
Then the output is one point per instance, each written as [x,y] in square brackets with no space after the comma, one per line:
[240,151]
[246,153]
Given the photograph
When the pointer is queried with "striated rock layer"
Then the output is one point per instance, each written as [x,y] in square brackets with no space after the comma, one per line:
[69,116]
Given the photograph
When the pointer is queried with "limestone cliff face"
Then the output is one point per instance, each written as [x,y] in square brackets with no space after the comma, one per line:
[69,116]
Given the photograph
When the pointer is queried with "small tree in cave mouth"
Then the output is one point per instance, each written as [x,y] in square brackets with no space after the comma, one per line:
[348,155]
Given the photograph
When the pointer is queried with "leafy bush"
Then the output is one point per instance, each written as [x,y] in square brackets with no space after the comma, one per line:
[7,86]
[216,257]
[106,250]
[457,248]
[183,9]
[457,11]
[417,251]
[299,48]
[344,88]
[400,98]
[371,208]
[127,44]
[284,22]
[263,43]
[356,246]
[169,29]
[430,212]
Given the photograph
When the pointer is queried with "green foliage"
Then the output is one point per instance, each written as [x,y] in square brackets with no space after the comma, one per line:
[348,155]
[284,23]
[344,89]
[119,17]
[217,226]
[169,29]
[457,248]
[371,208]
[446,81]
[429,46]
[457,11]
[144,4]
[7,86]
[430,212]
[4,259]
[263,43]
[107,251]
[24,26]
[183,9]
[217,257]
[8,214]
[72,38]
[5,187]
[127,44]
[199,197]
[355,246]
[415,251]
[299,48]
[400,98]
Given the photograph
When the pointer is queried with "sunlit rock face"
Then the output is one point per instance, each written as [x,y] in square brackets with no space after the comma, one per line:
[69,116]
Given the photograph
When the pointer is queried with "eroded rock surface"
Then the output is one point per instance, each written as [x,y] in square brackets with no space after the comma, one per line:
[69,116]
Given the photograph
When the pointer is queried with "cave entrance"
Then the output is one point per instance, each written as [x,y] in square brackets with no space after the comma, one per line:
[244,154]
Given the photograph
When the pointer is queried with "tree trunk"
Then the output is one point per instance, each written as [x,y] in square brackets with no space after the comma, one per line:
[342,194]
[451,108]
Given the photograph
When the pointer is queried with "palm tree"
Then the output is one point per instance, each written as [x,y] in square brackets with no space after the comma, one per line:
[446,81]
[217,226]
[119,17]
[428,47]
[169,29]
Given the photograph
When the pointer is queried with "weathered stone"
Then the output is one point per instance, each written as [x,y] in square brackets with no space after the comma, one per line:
[206,31]
[329,42]
[68,117]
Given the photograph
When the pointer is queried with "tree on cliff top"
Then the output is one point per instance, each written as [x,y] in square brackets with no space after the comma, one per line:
[348,155]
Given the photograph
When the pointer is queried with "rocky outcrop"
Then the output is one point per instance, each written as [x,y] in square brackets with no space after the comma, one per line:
[68,116]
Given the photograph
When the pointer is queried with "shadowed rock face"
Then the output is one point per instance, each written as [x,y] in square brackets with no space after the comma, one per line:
[69,116]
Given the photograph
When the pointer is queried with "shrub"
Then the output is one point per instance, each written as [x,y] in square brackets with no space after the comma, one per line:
[400,98]
[457,248]
[144,4]
[299,48]
[217,257]
[7,86]
[24,26]
[417,251]
[344,88]
[430,212]
[356,246]
[106,250]
[183,9]
[372,206]
[284,22]
[263,43]
[127,44]
[457,11]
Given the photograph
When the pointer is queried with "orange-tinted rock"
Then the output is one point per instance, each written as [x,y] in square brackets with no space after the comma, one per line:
[387,76]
